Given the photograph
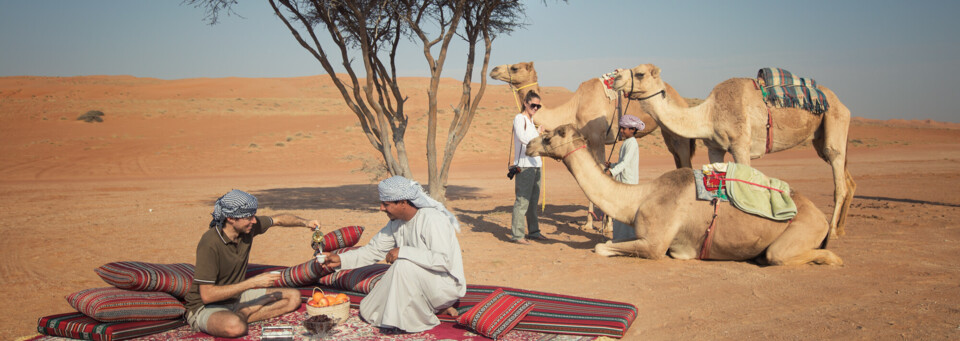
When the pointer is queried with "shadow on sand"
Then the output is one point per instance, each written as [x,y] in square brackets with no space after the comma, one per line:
[556,215]
[909,201]
[364,197]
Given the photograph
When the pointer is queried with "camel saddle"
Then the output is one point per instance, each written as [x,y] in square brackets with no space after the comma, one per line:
[783,89]
[747,189]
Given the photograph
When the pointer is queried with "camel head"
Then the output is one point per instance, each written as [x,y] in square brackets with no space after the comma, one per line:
[518,74]
[557,143]
[639,82]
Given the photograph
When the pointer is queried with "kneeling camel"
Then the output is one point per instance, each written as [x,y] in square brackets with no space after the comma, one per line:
[669,220]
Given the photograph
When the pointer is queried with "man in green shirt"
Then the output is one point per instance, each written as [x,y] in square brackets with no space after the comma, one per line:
[221,300]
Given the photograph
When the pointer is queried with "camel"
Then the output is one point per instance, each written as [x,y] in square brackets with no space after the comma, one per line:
[594,113]
[734,118]
[669,220]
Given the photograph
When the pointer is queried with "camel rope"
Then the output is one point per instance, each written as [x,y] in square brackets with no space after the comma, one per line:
[516,94]
[571,152]
[708,239]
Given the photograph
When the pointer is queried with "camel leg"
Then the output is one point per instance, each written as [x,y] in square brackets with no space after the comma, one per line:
[607,224]
[598,150]
[644,248]
[716,155]
[851,188]
[816,256]
[831,146]
[651,243]
[741,154]
[681,148]
[589,224]
[799,243]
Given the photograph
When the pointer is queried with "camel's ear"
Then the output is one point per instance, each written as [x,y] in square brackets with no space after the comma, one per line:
[655,72]
[562,131]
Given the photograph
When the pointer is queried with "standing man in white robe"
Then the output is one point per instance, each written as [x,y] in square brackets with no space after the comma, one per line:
[426,271]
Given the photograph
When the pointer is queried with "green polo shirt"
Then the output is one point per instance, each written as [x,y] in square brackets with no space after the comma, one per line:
[221,261]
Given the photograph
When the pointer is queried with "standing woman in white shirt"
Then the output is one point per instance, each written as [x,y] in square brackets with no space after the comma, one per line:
[527,182]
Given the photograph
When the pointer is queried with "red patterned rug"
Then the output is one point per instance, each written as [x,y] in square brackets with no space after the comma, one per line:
[353,329]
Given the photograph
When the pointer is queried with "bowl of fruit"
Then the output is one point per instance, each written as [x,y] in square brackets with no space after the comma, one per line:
[335,307]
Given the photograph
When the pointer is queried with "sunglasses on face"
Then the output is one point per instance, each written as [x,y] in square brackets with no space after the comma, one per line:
[535,106]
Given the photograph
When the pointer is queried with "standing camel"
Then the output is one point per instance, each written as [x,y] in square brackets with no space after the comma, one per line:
[734,119]
[668,219]
[593,112]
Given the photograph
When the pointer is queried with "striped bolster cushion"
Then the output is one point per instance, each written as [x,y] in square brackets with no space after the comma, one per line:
[79,326]
[304,274]
[174,279]
[112,305]
[342,237]
[496,315]
[360,279]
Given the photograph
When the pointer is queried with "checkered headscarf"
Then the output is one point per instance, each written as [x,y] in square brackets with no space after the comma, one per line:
[234,204]
[398,188]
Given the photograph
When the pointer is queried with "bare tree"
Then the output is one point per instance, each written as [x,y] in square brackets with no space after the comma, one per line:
[372,31]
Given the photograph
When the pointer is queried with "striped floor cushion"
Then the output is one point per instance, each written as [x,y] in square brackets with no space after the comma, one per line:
[79,326]
[560,314]
[115,305]
[174,279]
[551,314]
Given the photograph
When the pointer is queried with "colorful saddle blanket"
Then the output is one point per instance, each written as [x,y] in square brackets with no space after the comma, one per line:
[747,189]
[785,90]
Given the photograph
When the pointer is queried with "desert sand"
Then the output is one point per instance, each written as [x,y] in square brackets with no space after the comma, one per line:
[141,184]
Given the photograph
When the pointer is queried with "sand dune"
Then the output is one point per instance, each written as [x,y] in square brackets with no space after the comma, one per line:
[139,186]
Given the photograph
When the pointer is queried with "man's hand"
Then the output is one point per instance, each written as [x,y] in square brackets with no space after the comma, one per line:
[332,261]
[313,224]
[264,280]
[392,255]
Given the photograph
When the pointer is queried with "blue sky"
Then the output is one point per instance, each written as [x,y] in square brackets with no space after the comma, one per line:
[885,59]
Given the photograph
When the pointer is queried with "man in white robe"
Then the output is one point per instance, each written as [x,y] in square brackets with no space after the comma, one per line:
[426,271]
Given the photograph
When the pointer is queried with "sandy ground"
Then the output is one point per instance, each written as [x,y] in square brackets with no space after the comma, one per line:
[140,186]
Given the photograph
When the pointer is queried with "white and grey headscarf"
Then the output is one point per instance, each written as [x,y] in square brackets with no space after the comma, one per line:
[631,121]
[398,188]
[234,204]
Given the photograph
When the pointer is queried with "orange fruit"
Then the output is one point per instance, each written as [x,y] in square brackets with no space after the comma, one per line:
[317,296]
[341,297]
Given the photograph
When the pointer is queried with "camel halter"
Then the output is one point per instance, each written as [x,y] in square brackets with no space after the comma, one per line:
[571,152]
[661,92]
[516,92]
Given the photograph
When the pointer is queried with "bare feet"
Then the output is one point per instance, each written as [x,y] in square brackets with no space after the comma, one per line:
[451,311]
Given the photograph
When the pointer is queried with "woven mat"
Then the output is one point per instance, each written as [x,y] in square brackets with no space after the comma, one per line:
[353,329]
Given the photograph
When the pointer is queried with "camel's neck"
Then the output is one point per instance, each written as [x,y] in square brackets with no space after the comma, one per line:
[617,199]
[692,123]
[554,115]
